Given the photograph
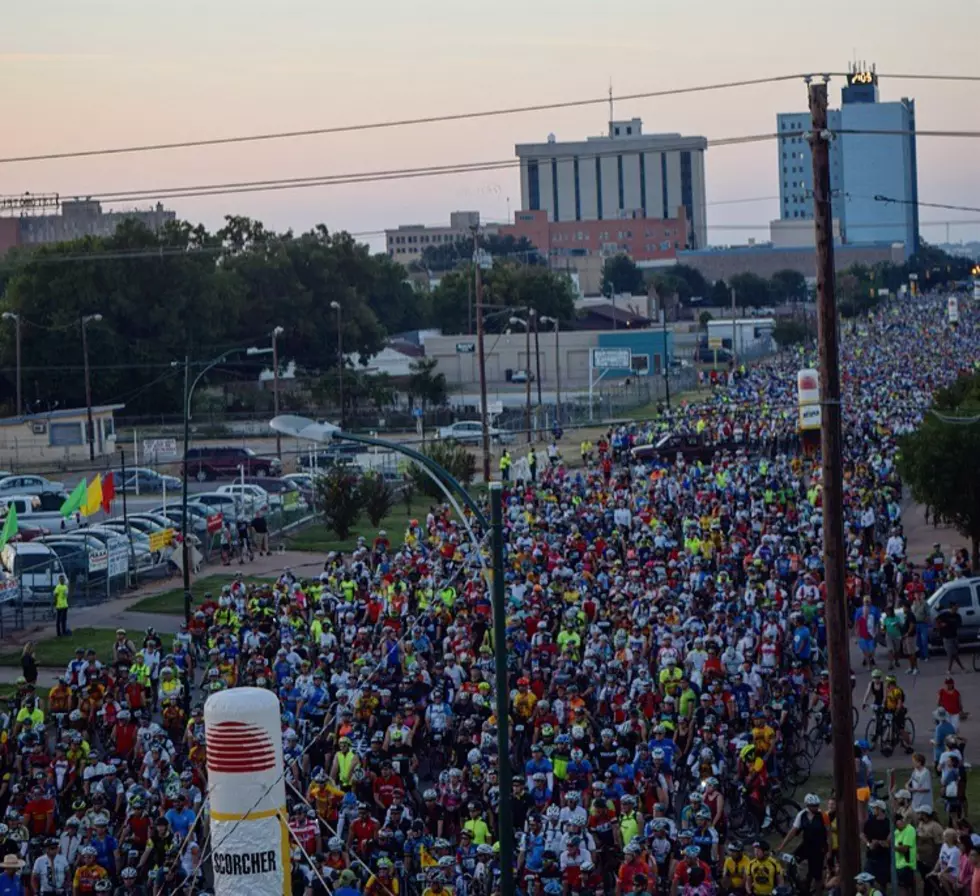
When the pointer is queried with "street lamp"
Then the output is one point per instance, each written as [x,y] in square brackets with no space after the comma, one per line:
[340,359]
[276,333]
[303,428]
[11,315]
[519,321]
[189,388]
[85,320]
[554,320]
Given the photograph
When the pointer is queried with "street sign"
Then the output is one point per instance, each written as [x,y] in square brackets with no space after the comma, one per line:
[612,358]
[160,540]
[159,448]
[953,310]
[495,408]
[465,348]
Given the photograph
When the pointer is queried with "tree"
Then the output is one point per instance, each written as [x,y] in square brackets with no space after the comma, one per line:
[337,499]
[719,296]
[450,256]
[667,284]
[697,285]
[751,290]
[705,318]
[426,384]
[787,285]
[457,459]
[376,497]
[788,331]
[621,276]
[938,461]
[518,286]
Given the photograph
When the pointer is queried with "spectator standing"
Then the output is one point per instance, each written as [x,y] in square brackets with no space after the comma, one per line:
[61,607]
[28,663]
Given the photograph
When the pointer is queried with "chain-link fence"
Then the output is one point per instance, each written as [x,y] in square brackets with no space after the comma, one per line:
[99,565]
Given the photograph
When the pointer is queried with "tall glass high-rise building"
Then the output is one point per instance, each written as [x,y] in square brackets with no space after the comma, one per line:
[873,173]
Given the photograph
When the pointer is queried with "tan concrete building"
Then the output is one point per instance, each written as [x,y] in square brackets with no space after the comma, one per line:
[406,243]
[56,437]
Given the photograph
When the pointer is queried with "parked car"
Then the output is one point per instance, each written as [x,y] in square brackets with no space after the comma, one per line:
[277,488]
[145,480]
[229,506]
[252,497]
[35,564]
[28,485]
[30,510]
[28,531]
[692,447]
[304,483]
[716,357]
[522,376]
[225,463]
[340,452]
[964,595]
[470,432]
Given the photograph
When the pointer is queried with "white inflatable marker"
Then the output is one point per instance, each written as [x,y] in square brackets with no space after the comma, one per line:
[249,832]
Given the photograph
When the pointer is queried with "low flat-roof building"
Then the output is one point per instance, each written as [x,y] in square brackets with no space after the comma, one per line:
[56,437]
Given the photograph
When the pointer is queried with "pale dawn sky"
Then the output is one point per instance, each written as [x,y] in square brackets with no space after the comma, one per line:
[81,74]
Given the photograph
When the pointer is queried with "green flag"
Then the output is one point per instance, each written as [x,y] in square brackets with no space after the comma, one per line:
[74,501]
[9,526]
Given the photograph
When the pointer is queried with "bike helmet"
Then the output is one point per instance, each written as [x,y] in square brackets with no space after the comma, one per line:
[811,799]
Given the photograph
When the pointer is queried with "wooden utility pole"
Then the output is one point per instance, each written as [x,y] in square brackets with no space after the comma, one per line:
[481,357]
[835,599]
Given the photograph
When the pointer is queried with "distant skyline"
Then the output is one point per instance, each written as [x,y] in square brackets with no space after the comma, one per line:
[107,73]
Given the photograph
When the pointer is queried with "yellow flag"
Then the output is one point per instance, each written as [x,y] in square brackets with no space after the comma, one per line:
[93,497]
[425,858]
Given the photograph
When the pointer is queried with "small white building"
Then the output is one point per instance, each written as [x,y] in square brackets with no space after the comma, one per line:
[741,334]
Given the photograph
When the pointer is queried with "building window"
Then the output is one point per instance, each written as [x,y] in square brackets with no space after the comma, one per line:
[663,182]
[533,186]
[687,188]
[643,183]
[619,177]
[578,194]
[640,364]
[616,131]
[598,189]
[554,188]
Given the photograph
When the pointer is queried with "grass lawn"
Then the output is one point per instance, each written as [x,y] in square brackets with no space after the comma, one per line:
[58,651]
[316,538]
[171,603]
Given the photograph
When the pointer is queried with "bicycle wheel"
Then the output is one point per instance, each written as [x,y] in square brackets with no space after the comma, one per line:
[909,729]
[976,660]
[783,815]
[871,733]
[743,824]
[798,770]
[856,715]
[814,743]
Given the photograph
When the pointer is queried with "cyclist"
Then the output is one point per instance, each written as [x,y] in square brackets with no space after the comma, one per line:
[765,873]
[895,704]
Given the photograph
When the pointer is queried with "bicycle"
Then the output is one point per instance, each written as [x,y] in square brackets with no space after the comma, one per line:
[881,732]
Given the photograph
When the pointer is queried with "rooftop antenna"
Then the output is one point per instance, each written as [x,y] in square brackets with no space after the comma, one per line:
[611,115]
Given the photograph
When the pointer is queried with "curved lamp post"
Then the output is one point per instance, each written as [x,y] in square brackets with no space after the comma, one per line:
[304,428]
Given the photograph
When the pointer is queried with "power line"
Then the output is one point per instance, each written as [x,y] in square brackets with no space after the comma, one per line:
[196,191]
[458,116]
[397,123]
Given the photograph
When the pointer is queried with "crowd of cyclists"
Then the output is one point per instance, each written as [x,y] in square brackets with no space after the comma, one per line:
[668,688]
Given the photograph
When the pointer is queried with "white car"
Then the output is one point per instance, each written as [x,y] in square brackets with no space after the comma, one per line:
[470,432]
[28,485]
[253,497]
